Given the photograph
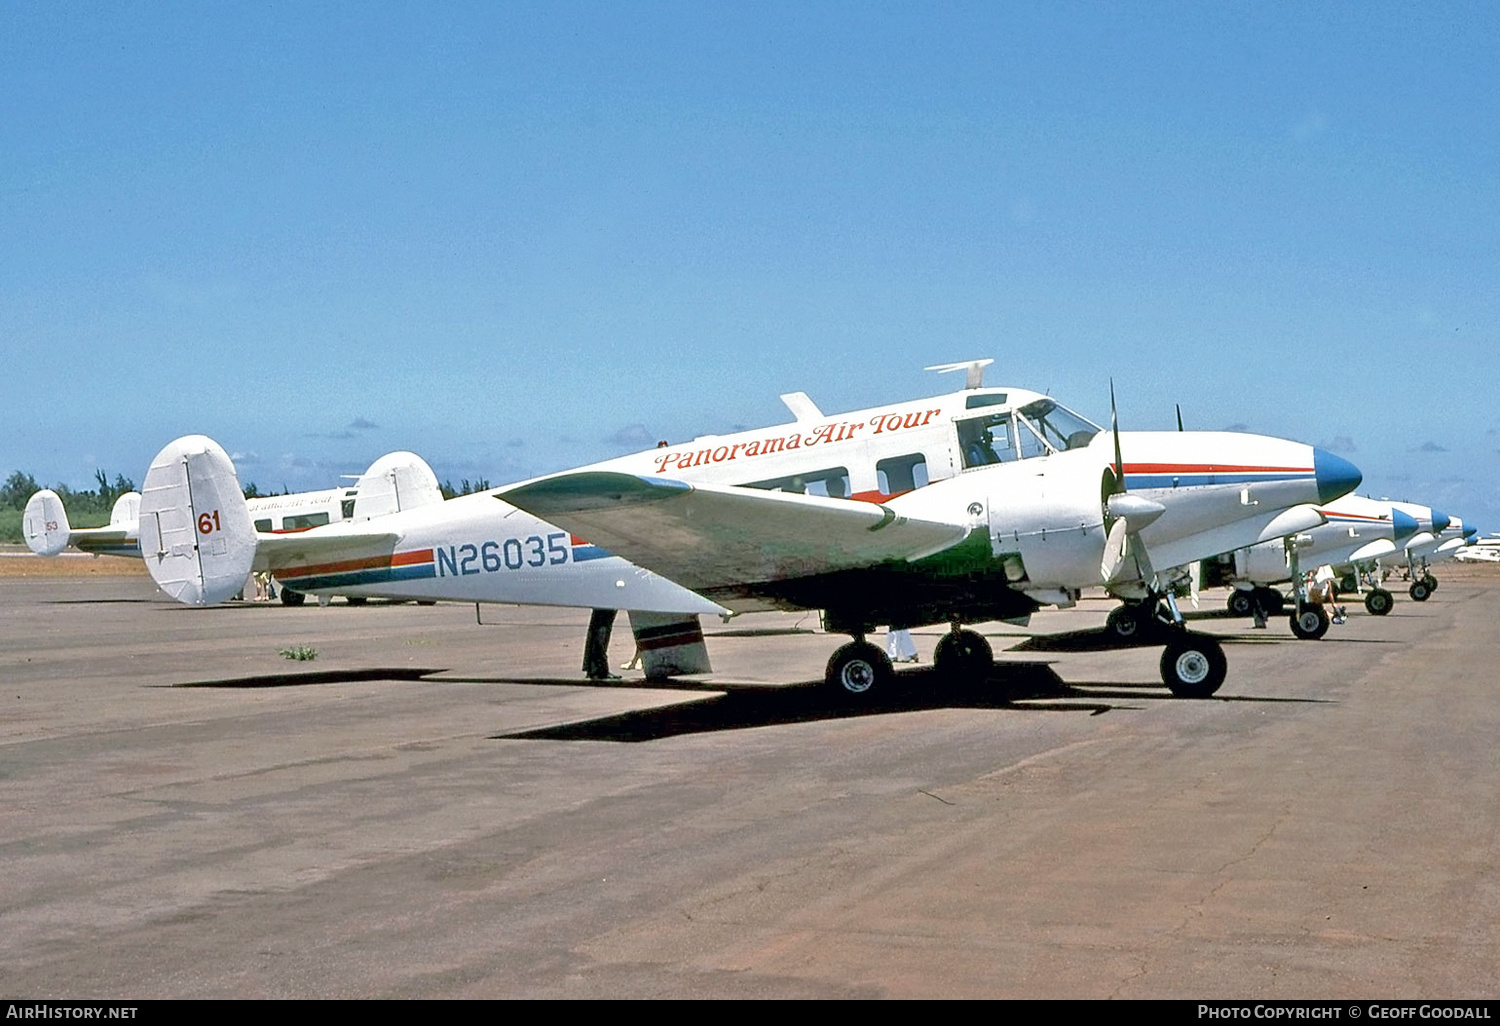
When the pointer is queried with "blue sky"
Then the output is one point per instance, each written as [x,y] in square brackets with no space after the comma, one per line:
[520,237]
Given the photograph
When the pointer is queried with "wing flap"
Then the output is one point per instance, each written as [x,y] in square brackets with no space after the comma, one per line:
[704,537]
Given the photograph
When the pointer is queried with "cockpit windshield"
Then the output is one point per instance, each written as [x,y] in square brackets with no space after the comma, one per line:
[1036,429]
[1056,425]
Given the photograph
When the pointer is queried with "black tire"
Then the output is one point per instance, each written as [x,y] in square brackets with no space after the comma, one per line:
[426,602]
[1272,601]
[963,657]
[356,600]
[1430,581]
[1241,602]
[1129,622]
[1378,602]
[857,670]
[1310,624]
[1419,591]
[1193,666]
[292,598]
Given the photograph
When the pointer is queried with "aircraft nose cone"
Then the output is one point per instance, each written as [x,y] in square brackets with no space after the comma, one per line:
[1404,524]
[1440,521]
[1335,475]
[1470,532]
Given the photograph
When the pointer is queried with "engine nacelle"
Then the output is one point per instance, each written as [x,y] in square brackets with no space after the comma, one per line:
[1047,523]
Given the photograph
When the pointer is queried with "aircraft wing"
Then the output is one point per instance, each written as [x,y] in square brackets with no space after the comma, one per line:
[703,536]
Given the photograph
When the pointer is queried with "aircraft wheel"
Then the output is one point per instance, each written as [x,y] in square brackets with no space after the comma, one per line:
[1241,602]
[1129,621]
[1379,602]
[963,657]
[1310,624]
[1419,591]
[1348,583]
[1193,666]
[1430,581]
[858,668]
[1271,600]
[292,598]
[356,600]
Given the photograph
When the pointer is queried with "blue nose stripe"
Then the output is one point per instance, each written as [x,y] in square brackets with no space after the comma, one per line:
[1470,532]
[1405,524]
[1440,521]
[1335,475]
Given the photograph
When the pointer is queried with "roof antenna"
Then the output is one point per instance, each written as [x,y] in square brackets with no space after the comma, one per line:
[975,369]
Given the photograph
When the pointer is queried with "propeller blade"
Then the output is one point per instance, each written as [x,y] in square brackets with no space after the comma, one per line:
[1114,426]
[1113,563]
[1179,416]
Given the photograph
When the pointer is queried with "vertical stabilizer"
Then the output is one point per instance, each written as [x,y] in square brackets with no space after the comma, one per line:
[195,530]
[44,524]
[396,481]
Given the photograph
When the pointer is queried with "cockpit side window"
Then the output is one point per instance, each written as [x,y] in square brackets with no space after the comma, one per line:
[986,440]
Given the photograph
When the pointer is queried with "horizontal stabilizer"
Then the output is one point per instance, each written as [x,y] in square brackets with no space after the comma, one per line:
[704,537]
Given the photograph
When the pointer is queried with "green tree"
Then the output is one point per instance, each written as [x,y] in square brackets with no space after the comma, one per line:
[17,489]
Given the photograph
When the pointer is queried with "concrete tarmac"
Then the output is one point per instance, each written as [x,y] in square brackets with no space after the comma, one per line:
[438,808]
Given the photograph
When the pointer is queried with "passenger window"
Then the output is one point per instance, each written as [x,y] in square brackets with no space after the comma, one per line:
[833,482]
[263,525]
[304,521]
[901,474]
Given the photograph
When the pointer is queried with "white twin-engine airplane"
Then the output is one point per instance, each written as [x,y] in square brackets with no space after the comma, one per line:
[982,504]
[1358,532]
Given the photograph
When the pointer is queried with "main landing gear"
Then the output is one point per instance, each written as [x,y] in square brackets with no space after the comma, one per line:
[1421,590]
[1378,601]
[858,668]
[1242,601]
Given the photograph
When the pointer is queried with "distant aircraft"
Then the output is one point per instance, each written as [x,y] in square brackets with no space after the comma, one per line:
[1480,550]
[1357,531]
[395,481]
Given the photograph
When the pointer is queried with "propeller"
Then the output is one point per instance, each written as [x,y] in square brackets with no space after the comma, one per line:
[1127,515]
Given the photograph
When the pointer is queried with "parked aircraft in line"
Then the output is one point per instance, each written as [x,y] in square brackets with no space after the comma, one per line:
[398,480]
[982,504]
[1358,531]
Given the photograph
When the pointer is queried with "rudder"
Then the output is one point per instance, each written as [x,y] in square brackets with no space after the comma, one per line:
[195,530]
[44,524]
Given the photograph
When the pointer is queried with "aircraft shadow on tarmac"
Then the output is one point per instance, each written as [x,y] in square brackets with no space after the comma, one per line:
[1014,686]
[307,677]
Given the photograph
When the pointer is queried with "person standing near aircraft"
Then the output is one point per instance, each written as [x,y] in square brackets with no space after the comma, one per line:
[596,645]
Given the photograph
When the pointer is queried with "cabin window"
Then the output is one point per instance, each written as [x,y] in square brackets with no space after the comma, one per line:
[302,521]
[833,483]
[901,473]
[348,508]
[263,525]
[986,440]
